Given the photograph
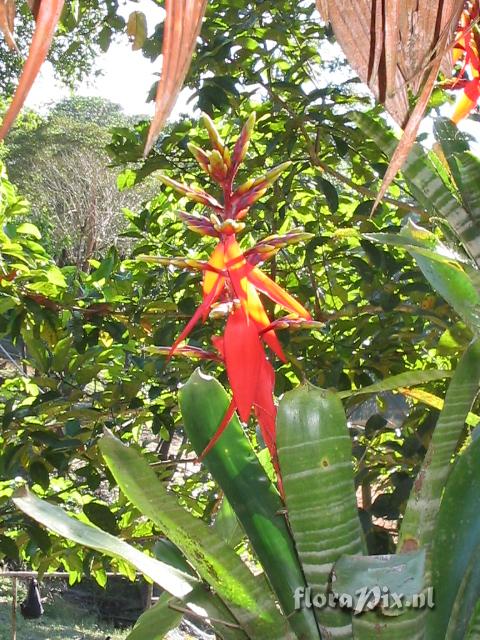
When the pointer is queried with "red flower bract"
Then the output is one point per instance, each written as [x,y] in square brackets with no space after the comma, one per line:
[233,281]
[467,50]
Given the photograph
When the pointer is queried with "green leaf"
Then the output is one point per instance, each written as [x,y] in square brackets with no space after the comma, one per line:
[55,276]
[429,188]
[401,573]
[57,520]
[456,550]
[104,271]
[29,229]
[234,465]
[330,193]
[60,353]
[39,473]
[157,621]
[405,379]
[36,350]
[466,599]
[8,548]
[418,524]
[464,166]
[473,632]
[7,303]
[181,585]
[442,268]
[250,600]
[227,525]
[315,450]
[101,516]
[166,551]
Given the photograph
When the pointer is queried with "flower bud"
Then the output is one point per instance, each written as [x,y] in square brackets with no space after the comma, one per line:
[241,146]
[249,192]
[193,193]
[270,177]
[226,157]
[200,155]
[215,139]
[217,167]
[245,186]
[197,223]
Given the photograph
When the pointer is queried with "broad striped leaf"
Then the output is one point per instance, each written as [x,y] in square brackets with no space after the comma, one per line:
[466,598]
[419,521]
[157,621]
[456,573]
[250,600]
[177,583]
[430,190]
[444,270]
[464,166]
[315,456]
[473,632]
[401,573]
[234,465]
[418,525]
[398,572]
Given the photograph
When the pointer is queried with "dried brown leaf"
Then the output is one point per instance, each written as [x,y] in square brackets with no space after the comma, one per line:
[322,8]
[137,29]
[7,19]
[396,46]
[409,134]
[400,155]
[391,43]
[46,22]
[182,26]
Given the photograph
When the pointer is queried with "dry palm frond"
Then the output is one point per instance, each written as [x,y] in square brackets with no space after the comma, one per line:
[397,46]
[182,26]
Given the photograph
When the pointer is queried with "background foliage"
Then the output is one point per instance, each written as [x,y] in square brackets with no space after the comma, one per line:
[81,336]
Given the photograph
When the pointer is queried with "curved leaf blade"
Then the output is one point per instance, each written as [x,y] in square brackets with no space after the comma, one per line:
[420,517]
[430,190]
[236,468]
[444,270]
[315,449]
[178,584]
[455,549]
[406,379]
[48,15]
[250,600]
[156,621]
[182,26]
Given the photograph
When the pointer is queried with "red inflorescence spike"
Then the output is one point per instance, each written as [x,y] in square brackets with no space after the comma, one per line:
[243,356]
[232,274]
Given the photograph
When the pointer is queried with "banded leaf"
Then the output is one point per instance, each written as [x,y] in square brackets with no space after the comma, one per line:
[315,455]
[187,588]
[234,465]
[249,599]
[429,189]
[456,550]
